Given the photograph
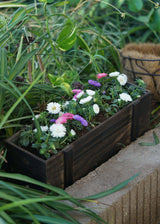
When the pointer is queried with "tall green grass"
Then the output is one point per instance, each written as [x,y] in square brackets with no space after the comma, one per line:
[22,204]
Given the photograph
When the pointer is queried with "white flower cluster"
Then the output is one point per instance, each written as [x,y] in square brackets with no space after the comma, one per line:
[58,130]
[122,78]
[125,97]
[53,108]
[87,99]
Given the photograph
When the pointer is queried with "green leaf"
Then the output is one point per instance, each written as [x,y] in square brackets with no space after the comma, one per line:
[156,141]
[22,97]
[19,49]
[67,36]
[6,217]
[11,5]
[66,87]
[3,72]
[20,64]
[120,2]
[135,5]
[155,20]
[32,181]
[146,19]
[70,76]
[44,1]
[82,43]
[17,16]
[112,190]
[52,78]
[61,3]
[49,220]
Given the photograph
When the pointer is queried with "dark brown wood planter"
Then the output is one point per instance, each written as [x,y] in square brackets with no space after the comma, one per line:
[89,151]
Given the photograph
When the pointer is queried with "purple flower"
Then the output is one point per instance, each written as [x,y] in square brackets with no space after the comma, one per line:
[104,92]
[81,119]
[52,120]
[94,83]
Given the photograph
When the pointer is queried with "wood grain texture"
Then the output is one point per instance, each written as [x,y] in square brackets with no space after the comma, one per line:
[141,115]
[100,144]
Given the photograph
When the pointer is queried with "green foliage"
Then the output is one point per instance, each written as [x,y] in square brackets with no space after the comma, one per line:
[67,36]
[21,204]
[155,20]
[135,5]
[156,141]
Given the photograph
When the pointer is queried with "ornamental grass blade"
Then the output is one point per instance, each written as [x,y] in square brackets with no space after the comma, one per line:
[28,201]
[27,179]
[3,72]
[50,220]
[12,5]
[112,190]
[5,218]
[20,64]
[156,141]
[13,190]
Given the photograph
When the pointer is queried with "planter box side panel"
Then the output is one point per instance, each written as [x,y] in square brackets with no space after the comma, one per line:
[98,145]
[21,161]
[141,115]
[55,170]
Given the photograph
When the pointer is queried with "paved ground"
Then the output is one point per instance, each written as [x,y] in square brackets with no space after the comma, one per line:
[129,161]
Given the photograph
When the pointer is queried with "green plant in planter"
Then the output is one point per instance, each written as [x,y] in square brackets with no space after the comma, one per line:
[64,121]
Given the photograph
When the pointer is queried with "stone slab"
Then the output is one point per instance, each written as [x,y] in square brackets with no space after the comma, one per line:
[139,201]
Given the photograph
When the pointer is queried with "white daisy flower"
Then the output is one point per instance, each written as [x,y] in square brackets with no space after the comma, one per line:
[125,97]
[58,130]
[114,74]
[73,133]
[37,116]
[96,108]
[53,108]
[122,79]
[44,128]
[80,94]
[90,92]
[85,100]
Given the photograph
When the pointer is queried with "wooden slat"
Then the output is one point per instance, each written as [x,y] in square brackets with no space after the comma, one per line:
[141,115]
[101,143]
[55,170]
[24,162]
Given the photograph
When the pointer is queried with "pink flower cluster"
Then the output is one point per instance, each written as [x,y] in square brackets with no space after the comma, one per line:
[101,75]
[63,119]
[68,116]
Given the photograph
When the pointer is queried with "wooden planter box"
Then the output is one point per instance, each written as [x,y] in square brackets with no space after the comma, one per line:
[89,151]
